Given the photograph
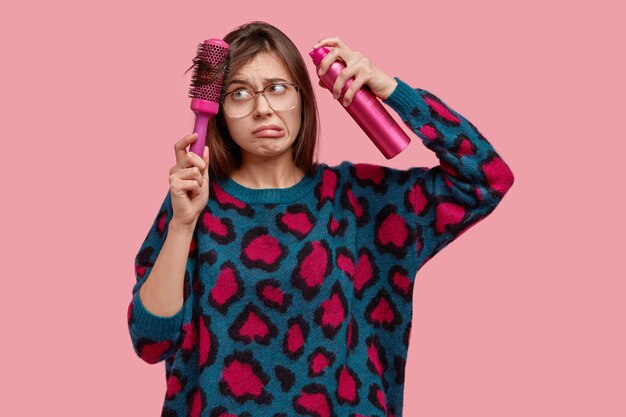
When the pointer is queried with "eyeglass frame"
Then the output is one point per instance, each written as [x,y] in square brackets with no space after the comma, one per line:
[256,96]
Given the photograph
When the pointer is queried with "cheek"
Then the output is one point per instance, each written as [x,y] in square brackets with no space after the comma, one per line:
[296,120]
[294,126]
[235,131]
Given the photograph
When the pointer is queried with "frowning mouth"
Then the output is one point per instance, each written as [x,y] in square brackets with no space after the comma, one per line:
[269,133]
[268,127]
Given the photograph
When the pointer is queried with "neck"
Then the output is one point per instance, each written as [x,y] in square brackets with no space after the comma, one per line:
[278,172]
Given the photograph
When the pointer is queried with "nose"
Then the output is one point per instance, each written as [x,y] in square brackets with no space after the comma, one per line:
[262,106]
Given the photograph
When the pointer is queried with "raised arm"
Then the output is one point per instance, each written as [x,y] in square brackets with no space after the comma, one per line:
[471,179]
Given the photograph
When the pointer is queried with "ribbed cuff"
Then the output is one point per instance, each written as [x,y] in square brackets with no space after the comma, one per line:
[154,327]
[405,100]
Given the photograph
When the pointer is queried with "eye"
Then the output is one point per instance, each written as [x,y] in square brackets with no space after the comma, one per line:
[276,89]
[241,94]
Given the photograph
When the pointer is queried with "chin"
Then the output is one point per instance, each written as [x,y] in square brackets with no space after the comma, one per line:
[272,150]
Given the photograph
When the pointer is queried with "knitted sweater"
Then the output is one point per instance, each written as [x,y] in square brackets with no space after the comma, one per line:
[298,301]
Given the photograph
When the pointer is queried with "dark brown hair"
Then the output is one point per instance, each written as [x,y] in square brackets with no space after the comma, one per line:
[246,42]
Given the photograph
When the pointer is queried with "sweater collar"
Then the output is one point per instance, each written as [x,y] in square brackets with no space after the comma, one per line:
[273,195]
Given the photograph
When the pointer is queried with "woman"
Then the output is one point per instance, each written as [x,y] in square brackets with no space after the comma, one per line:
[274,285]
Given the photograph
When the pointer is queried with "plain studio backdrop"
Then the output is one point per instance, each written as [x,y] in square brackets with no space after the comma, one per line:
[523,315]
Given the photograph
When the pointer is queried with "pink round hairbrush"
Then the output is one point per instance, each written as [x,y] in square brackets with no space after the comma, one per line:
[209,68]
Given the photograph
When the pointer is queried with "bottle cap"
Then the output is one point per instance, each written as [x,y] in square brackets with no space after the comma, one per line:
[318,54]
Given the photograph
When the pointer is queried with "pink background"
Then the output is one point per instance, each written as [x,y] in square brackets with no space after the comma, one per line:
[522,316]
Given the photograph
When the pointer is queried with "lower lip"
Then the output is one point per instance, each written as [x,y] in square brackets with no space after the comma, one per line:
[269,133]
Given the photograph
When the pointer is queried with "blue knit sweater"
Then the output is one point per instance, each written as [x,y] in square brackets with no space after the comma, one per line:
[297,301]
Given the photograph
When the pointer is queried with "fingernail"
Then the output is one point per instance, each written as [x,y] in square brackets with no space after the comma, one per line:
[319,72]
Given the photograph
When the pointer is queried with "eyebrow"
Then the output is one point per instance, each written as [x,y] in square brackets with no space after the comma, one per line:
[268,80]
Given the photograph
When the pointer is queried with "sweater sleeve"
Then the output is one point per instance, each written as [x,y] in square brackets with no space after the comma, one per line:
[440,203]
[154,337]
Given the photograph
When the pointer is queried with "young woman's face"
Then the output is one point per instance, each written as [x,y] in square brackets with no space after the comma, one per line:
[260,72]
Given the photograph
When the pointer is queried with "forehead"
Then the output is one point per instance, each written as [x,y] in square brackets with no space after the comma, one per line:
[262,68]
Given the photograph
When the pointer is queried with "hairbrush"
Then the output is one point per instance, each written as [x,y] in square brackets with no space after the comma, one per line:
[209,68]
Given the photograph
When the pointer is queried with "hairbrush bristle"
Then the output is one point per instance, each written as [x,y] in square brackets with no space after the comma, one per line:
[209,69]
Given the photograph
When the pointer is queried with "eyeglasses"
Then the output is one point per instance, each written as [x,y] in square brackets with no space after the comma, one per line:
[280,97]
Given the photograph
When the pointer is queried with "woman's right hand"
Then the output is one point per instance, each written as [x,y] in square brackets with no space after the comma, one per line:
[189,182]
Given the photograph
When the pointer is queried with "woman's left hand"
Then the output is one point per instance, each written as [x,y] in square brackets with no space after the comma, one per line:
[359,67]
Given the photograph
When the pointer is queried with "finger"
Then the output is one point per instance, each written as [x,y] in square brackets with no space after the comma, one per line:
[181,145]
[192,173]
[195,190]
[184,186]
[342,79]
[193,160]
[348,56]
[334,41]
[205,156]
[328,60]
[356,84]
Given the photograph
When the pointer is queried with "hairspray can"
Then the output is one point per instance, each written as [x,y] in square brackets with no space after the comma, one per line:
[366,110]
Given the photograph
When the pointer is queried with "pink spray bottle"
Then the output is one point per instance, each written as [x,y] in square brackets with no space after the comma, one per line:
[366,110]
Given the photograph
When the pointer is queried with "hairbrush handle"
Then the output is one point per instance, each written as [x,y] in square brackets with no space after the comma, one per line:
[210,65]
[204,111]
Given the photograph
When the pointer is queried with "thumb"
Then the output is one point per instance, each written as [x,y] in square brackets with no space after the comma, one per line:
[205,156]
